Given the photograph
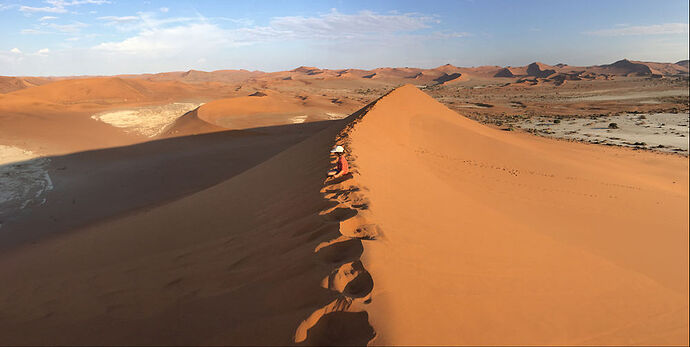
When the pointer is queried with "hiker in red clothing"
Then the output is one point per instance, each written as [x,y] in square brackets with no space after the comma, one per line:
[342,167]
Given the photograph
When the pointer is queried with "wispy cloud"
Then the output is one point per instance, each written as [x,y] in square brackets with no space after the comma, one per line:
[119,20]
[45,18]
[7,6]
[16,50]
[34,31]
[68,28]
[49,9]
[657,29]
[338,25]
[166,41]
[172,34]
[59,6]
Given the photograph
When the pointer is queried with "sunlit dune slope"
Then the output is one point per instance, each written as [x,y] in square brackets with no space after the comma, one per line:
[267,107]
[190,123]
[105,90]
[493,237]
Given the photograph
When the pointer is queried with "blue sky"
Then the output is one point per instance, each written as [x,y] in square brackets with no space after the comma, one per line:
[75,37]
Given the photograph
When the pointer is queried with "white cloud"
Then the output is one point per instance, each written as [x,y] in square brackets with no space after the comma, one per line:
[193,39]
[166,41]
[6,6]
[657,29]
[448,35]
[338,25]
[164,9]
[34,31]
[119,20]
[68,28]
[239,21]
[45,18]
[16,50]
[59,6]
[50,9]
[43,51]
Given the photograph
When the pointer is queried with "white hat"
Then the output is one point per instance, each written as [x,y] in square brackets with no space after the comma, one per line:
[338,149]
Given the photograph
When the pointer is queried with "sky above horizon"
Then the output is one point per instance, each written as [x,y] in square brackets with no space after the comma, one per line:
[106,37]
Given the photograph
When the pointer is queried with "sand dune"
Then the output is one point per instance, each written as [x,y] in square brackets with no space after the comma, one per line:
[515,239]
[105,90]
[504,72]
[195,76]
[540,70]
[448,232]
[233,264]
[267,108]
[10,84]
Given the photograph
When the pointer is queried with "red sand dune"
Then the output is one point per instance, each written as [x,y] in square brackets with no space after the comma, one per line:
[504,72]
[540,70]
[627,67]
[515,239]
[268,108]
[449,232]
[195,76]
[104,90]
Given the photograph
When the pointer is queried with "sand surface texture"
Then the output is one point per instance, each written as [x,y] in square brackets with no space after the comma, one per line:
[499,238]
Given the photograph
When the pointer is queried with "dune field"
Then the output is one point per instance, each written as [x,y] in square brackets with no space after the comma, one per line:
[193,208]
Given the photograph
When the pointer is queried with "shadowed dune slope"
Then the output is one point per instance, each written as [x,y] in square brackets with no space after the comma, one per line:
[493,237]
[145,175]
[232,264]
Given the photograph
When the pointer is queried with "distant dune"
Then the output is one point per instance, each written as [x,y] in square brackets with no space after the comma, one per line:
[504,72]
[267,108]
[387,74]
[108,90]
[540,70]
[195,76]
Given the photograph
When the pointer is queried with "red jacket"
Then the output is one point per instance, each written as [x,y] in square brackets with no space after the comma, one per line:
[342,165]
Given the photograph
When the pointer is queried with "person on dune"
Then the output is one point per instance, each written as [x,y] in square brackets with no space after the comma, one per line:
[342,167]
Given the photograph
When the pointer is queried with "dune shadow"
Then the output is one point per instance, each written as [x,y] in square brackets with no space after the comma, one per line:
[96,185]
[341,328]
[341,251]
[339,180]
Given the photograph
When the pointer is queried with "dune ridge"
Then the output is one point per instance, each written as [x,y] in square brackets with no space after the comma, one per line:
[502,238]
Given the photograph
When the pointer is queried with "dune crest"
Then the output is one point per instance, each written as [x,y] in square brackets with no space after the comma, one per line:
[501,238]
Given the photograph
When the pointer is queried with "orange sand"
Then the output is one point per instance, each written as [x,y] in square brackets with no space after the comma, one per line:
[449,232]
[500,238]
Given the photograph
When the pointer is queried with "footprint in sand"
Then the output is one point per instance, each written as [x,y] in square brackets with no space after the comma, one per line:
[340,214]
[334,325]
[350,279]
[341,250]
